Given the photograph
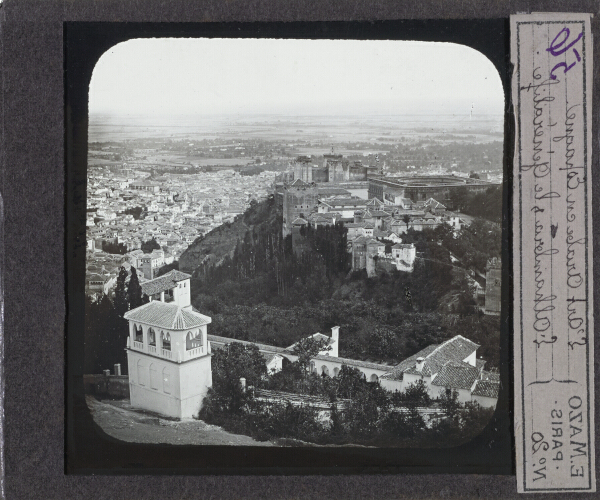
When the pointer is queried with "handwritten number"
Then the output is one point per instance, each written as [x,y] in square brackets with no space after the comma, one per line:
[560,64]
[556,49]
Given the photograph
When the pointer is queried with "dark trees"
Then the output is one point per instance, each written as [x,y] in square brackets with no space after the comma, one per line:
[148,246]
[105,337]
[308,348]
[121,302]
[137,212]
[114,248]
[134,291]
[229,364]
[167,268]
[415,394]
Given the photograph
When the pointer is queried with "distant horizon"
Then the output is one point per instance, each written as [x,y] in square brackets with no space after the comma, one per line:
[287,115]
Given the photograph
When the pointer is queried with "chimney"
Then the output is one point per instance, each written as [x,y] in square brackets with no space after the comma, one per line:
[335,333]
[420,363]
[117,369]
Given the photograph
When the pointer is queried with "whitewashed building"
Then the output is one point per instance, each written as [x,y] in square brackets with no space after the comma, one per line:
[168,353]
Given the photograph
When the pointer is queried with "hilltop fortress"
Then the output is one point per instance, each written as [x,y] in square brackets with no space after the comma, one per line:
[306,187]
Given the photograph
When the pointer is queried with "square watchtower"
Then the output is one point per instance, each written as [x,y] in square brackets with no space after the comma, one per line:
[168,352]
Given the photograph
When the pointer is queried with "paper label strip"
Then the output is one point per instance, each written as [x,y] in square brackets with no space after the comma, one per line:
[552,252]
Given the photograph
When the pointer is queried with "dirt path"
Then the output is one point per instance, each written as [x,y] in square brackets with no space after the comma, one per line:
[120,421]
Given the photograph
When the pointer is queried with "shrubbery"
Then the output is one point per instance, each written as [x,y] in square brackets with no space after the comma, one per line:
[360,412]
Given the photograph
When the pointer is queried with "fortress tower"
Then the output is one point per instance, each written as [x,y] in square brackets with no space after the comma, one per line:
[299,200]
[303,168]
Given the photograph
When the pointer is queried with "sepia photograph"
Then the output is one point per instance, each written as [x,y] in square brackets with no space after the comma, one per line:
[293,242]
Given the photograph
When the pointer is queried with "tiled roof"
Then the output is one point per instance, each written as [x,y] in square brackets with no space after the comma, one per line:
[345,202]
[434,203]
[299,183]
[493,376]
[378,233]
[455,349]
[163,283]
[436,356]
[408,363]
[486,388]
[425,371]
[379,213]
[361,240]
[456,375]
[269,356]
[316,336]
[166,315]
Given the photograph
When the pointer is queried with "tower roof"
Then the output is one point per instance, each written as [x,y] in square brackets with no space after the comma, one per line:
[168,316]
[164,283]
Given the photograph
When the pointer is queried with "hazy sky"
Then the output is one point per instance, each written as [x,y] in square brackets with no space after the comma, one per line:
[293,77]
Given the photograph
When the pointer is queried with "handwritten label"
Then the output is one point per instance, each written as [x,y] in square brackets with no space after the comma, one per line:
[552,250]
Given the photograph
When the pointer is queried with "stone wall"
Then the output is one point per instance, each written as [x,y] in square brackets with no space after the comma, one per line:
[114,386]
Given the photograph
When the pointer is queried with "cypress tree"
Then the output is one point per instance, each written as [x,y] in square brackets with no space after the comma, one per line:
[134,291]
[121,303]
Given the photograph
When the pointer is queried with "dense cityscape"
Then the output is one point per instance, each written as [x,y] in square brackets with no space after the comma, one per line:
[174,190]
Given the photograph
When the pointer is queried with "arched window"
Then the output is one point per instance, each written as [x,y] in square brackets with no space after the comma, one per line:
[336,370]
[313,367]
[151,337]
[324,370]
[166,341]
[139,334]
[166,380]
[141,372]
[193,340]
[374,378]
[153,376]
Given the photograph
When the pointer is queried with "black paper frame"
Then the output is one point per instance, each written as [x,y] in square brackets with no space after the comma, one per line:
[88,448]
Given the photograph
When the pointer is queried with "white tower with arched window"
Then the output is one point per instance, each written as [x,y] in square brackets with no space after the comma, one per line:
[168,353]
